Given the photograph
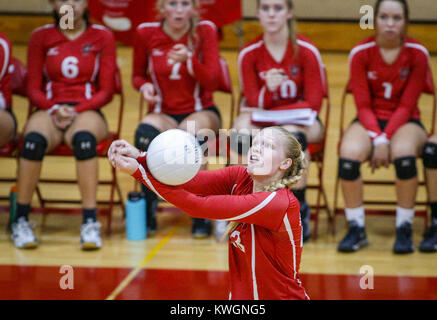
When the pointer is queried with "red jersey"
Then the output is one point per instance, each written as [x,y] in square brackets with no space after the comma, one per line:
[77,71]
[5,77]
[265,249]
[305,71]
[387,92]
[181,87]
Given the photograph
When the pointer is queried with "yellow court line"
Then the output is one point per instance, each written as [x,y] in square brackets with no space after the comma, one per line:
[143,263]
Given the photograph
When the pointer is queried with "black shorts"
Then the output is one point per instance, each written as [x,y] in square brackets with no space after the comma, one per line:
[181,117]
[100,113]
[383,123]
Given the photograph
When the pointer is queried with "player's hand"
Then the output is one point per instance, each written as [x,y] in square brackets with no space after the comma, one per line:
[126,164]
[123,148]
[178,54]
[380,156]
[149,94]
[274,78]
[60,121]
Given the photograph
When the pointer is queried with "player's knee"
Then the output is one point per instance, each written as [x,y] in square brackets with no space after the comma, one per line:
[241,143]
[349,169]
[430,155]
[144,134]
[84,145]
[301,138]
[34,146]
[405,167]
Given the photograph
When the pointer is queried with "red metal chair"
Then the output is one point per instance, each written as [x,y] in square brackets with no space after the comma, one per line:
[317,152]
[386,204]
[105,207]
[18,84]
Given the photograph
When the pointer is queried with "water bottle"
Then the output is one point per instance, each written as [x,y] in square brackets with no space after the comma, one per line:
[13,203]
[136,228]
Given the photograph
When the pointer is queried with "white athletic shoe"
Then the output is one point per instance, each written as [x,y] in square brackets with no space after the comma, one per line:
[22,234]
[90,235]
[219,229]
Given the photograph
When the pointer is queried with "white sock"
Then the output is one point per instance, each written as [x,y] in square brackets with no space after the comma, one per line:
[404,215]
[356,215]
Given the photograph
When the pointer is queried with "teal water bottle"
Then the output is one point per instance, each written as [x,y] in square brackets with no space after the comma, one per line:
[13,203]
[136,228]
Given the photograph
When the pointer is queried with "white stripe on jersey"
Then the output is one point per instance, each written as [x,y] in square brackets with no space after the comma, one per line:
[262,93]
[198,102]
[49,93]
[253,262]
[5,46]
[99,27]
[96,68]
[241,56]
[149,24]
[265,202]
[417,46]
[88,92]
[158,105]
[144,174]
[316,53]
[2,102]
[209,23]
[47,26]
[360,48]
[293,245]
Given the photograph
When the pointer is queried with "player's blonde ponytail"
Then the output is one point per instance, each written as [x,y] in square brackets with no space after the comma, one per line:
[292,176]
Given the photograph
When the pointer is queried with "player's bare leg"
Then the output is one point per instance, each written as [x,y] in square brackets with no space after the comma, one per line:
[7,127]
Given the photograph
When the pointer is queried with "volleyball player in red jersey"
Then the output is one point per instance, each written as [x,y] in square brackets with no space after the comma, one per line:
[280,70]
[8,125]
[429,242]
[388,73]
[70,77]
[265,232]
[176,67]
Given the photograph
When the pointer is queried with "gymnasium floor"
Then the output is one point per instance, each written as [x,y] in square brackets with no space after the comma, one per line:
[172,265]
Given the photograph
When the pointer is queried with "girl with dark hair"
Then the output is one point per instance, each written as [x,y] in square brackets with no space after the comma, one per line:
[70,77]
[388,72]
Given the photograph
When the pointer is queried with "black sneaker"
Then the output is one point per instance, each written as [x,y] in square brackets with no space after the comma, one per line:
[404,239]
[354,239]
[429,243]
[152,225]
[305,215]
[201,228]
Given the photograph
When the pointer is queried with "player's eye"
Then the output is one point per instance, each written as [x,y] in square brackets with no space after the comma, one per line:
[186,3]
[383,17]
[397,18]
[264,8]
[278,8]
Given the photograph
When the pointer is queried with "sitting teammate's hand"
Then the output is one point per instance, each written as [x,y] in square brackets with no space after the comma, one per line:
[149,94]
[274,78]
[380,156]
[126,164]
[179,53]
[124,148]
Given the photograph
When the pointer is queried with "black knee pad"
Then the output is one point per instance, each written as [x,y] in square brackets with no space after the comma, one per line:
[349,169]
[430,155]
[405,167]
[241,143]
[144,134]
[34,146]
[301,137]
[84,145]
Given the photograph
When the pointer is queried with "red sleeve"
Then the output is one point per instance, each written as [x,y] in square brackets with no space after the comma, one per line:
[362,95]
[140,63]
[410,96]
[5,77]
[106,77]
[206,70]
[266,209]
[256,94]
[35,67]
[210,182]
